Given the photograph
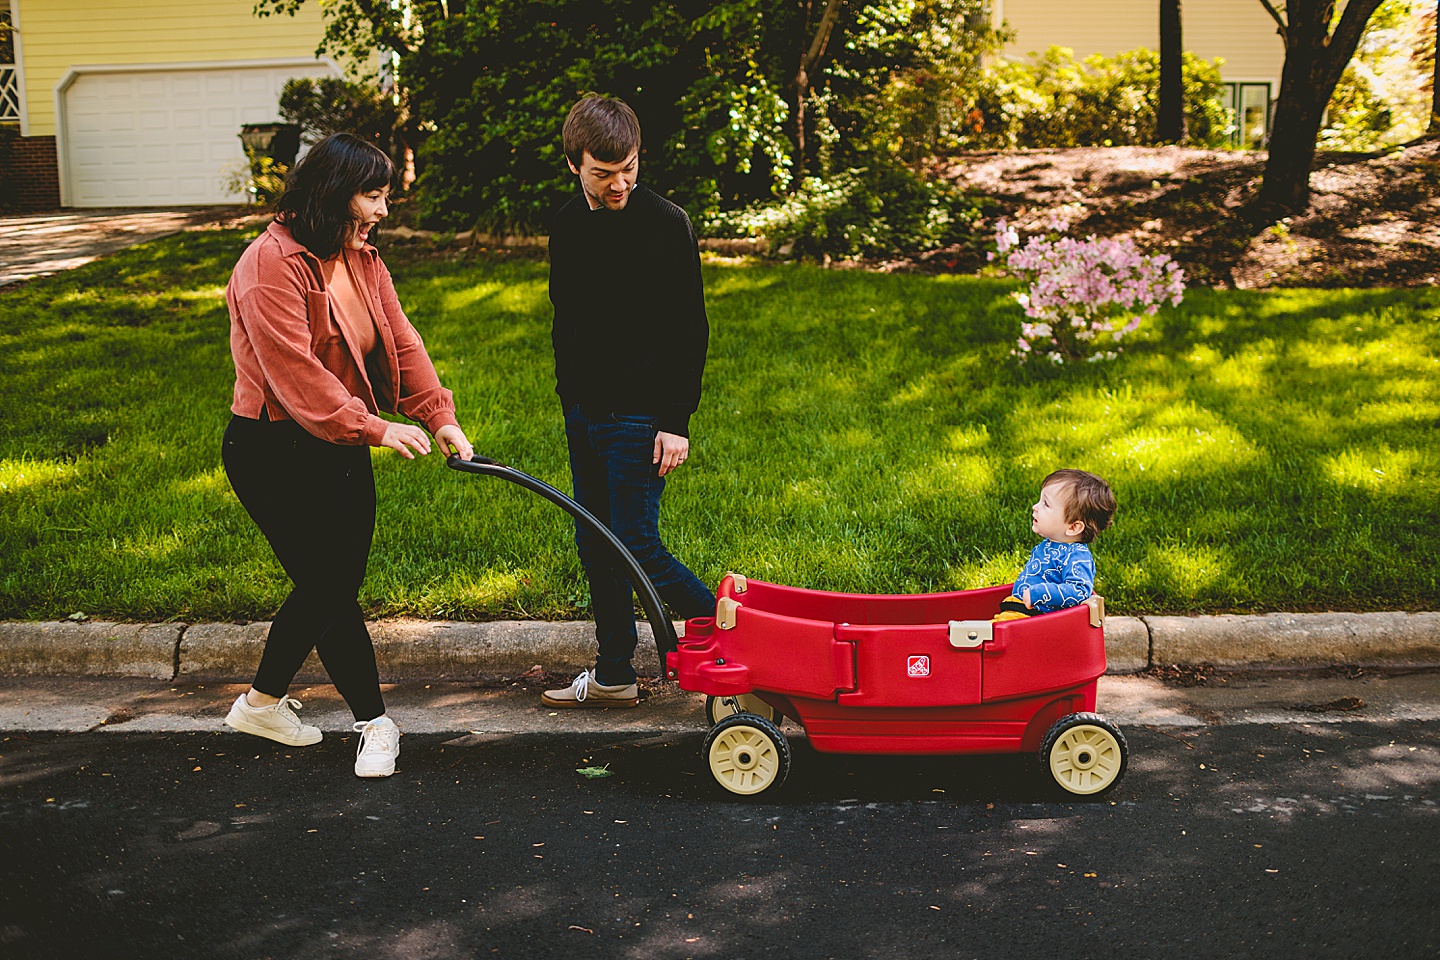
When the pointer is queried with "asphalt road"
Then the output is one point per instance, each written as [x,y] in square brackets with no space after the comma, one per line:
[1247,840]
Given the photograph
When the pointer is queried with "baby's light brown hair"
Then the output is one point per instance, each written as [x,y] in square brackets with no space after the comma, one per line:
[1088,499]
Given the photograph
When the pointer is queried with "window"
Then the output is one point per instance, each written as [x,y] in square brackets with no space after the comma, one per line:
[9,77]
[1249,106]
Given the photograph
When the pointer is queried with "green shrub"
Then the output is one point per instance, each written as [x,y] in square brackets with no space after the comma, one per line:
[876,212]
[1053,100]
[261,178]
[321,106]
[1359,118]
[1383,97]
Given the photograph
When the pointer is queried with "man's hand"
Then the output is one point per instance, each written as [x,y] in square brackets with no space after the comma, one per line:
[451,437]
[671,449]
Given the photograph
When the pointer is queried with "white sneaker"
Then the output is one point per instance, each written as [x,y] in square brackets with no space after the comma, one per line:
[379,747]
[584,691]
[275,722]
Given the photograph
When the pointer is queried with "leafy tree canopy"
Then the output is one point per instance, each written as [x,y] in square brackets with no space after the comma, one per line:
[736,97]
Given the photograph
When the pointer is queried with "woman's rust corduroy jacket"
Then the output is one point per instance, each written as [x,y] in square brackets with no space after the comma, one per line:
[293,362]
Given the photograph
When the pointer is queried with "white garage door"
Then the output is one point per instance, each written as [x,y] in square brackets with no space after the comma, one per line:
[165,137]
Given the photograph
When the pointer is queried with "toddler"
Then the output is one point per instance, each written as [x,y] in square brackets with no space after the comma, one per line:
[1074,506]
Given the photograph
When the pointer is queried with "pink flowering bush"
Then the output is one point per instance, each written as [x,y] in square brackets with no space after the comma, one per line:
[1083,296]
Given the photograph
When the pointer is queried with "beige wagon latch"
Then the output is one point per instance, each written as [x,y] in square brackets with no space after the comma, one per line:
[1096,603]
[725,609]
[965,634]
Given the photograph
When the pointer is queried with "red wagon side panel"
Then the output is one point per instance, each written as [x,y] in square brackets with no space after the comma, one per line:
[910,666]
[1008,726]
[1052,651]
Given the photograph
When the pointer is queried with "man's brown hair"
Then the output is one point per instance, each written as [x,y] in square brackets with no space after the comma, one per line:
[604,127]
[1087,499]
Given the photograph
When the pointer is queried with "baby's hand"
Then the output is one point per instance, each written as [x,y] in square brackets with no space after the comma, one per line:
[1026,598]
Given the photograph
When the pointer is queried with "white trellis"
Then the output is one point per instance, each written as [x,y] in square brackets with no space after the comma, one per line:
[9,94]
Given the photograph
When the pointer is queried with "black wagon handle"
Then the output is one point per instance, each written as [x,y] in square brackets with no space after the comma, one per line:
[665,640]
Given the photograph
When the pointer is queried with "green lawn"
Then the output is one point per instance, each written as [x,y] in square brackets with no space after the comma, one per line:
[861,432]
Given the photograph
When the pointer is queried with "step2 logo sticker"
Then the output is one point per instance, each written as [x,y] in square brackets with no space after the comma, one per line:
[918,666]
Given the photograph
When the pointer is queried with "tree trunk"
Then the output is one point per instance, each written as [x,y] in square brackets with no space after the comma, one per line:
[1314,60]
[809,60]
[1435,77]
[1170,118]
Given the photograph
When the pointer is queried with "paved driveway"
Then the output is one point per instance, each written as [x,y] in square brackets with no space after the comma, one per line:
[37,245]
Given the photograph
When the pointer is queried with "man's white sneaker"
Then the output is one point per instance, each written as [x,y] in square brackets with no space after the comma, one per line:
[379,747]
[275,722]
[585,692]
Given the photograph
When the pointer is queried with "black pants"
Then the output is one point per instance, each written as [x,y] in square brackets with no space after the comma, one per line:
[315,503]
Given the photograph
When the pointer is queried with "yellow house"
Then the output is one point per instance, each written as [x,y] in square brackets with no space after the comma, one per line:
[1239,32]
[126,103]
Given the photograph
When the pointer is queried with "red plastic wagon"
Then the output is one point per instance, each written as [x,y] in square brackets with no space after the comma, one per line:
[910,674]
[881,674]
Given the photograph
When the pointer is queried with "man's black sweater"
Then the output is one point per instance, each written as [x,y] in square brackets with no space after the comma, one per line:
[630,331]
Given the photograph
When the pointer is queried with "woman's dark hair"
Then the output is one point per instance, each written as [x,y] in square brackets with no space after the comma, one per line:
[316,203]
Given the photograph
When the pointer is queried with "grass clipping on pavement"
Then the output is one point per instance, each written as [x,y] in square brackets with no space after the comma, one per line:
[859,432]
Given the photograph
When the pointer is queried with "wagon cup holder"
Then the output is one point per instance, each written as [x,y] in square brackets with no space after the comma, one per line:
[697,630]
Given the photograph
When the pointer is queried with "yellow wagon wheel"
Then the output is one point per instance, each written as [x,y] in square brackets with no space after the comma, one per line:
[718,708]
[1085,754]
[747,754]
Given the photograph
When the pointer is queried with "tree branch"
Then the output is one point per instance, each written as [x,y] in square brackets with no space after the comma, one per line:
[818,42]
[1280,26]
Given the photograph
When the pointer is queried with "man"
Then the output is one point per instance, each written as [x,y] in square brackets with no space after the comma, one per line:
[630,336]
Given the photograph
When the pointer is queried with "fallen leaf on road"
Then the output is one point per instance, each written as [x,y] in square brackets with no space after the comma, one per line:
[593,772]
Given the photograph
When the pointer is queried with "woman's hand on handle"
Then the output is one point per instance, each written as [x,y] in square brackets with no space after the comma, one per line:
[404,437]
[452,438]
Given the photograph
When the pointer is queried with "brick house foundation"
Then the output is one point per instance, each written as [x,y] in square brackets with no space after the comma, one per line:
[32,175]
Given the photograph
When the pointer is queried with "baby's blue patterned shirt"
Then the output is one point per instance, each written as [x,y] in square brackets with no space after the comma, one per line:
[1059,575]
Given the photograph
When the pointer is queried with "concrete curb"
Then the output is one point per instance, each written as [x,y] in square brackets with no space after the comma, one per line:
[1301,639]
[447,650]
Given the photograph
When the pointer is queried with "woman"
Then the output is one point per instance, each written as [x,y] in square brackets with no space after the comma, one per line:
[321,346]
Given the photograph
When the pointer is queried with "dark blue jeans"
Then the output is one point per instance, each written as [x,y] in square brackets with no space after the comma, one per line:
[610,461]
